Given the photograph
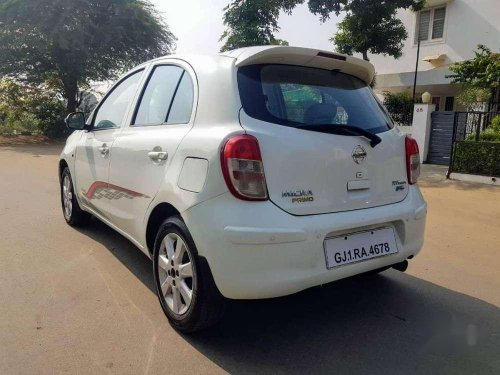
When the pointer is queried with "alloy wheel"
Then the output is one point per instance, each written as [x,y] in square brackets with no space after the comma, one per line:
[67,197]
[175,271]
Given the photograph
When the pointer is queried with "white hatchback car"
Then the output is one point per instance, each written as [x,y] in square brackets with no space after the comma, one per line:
[255,173]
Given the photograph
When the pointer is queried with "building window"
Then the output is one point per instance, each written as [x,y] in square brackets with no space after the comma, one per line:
[449,103]
[438,23]
[430,24]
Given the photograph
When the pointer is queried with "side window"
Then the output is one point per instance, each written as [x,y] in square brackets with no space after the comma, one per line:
[167,97]
[182,106]
[114,107]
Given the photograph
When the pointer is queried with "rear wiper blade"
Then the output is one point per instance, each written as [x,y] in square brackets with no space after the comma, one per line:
[374,138]
[343,130]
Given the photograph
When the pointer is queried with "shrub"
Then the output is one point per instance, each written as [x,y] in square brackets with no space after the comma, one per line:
[474,98]
[491,134]
[400,107]
[481,158]
[30,110]
[495,124]
[51,119]
[18,123]
[487,136]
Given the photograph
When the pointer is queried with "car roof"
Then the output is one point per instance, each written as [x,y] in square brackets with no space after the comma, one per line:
[216,74]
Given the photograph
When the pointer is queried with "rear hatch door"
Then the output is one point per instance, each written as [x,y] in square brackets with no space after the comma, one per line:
[312,165]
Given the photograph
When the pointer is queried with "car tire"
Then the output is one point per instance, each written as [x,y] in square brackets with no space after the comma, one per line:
[184,283]
[72,212]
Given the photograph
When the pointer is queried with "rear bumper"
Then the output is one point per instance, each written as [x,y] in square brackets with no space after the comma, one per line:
[256,250]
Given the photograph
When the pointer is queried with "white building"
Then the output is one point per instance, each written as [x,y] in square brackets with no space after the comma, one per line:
[449,32]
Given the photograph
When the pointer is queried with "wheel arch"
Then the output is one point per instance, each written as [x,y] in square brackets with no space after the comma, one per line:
[62,164]
[161,212]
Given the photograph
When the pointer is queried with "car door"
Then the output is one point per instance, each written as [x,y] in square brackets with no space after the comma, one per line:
[94,150]
[143,151]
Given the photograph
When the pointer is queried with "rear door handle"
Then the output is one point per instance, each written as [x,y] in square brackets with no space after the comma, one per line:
[158,155]
[104,149]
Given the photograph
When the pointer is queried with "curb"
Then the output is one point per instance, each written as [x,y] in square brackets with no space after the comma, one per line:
[488,180]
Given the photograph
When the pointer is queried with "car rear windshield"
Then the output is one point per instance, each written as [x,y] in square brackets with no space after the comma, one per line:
[298,96]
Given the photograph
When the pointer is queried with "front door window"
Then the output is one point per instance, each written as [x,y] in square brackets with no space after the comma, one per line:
[113,109]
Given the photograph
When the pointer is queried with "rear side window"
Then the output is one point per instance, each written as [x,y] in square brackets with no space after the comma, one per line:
[182,105]
[167,98]
[302,96]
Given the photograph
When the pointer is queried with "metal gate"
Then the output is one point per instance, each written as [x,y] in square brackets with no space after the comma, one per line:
[472,146]
[441,137]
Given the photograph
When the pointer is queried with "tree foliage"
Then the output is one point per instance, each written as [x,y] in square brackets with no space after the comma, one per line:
[72,43]
[372,26]
[482,71]
[474,98]
[30,109]
[369,26]
[479,76]
[252,23]
[400,107]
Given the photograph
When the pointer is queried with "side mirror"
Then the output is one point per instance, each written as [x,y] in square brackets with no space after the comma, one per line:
[75,121]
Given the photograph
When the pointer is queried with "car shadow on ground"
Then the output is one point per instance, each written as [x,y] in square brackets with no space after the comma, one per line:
[391,323]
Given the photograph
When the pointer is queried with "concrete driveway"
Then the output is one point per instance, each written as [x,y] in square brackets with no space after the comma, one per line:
[82,301]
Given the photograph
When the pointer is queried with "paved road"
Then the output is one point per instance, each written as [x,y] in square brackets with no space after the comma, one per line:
[82,301]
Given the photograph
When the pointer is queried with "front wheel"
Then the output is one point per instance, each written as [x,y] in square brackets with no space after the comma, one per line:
[72,212]
[185,286]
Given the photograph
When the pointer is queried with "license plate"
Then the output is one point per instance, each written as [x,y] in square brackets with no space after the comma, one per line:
[358,247]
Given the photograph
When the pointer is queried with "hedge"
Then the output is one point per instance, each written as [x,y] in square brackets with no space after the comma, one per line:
[486,136]
[482,158]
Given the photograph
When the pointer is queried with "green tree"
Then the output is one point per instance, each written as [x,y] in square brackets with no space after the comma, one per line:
[482,71]
[479,77]
[252,23]
[372,26]
[72,43]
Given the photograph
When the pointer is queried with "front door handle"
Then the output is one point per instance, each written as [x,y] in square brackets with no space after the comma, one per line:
[104,150]
[158,155]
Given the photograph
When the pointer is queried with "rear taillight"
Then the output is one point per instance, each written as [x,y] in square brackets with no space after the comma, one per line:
[243,169]
[412,160]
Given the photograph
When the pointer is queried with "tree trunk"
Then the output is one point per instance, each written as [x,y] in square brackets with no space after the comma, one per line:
[365,56]
[71,96]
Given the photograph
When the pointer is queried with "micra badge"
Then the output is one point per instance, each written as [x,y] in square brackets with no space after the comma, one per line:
[398,185]
[298,196]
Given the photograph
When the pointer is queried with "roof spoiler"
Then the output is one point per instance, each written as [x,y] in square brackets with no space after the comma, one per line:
[305,57]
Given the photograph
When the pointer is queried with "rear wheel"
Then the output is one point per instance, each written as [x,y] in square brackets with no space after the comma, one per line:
[185,286]
[72,212]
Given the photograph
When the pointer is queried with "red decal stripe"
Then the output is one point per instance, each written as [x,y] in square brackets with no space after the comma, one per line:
[101,184]
[93,188]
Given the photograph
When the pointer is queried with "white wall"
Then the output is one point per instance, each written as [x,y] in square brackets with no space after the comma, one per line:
[468,23]
[422,127]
